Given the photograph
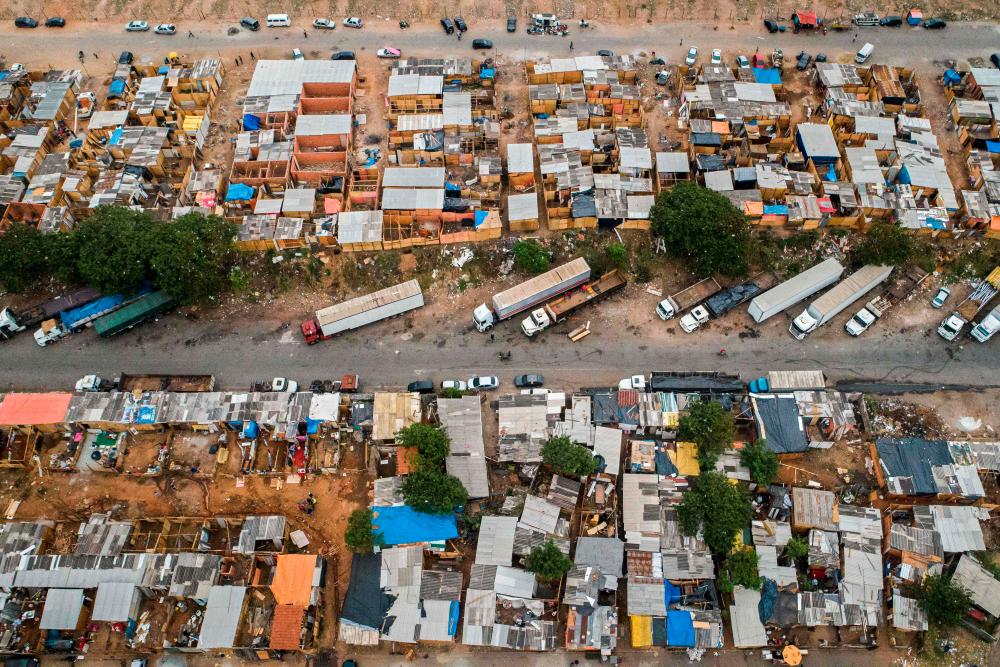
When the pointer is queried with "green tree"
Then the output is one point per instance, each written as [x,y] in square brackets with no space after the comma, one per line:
[796,548]
[62,255]
[568,458]
[432,444]
[548,562]
[886,243]
[359,536]
[717,508]
[761,461]
[711,427]
[944,601]
[740,569]
[450,392]
[22,257]
[115,244]
[618,255]
[530,256]
[433,492]
[703,228]
[191,256]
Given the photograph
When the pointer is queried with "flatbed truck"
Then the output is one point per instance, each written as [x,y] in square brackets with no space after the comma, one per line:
[559,309]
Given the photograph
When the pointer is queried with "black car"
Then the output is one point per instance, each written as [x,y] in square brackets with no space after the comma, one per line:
[21,661]
[421,386]
[995,59]
[460,24]
[342,55]
[935,24]
[511,24]
[803,61]
[250,23]
[606,53]
[482,44]
[772,26]
[528,380]
[25,22]
[55,22]
[891,21]
[125,58]
[448,26]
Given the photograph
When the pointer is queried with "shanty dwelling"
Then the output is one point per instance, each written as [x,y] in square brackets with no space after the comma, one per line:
[672,167]
[462,419]
[917,467]
[30,423]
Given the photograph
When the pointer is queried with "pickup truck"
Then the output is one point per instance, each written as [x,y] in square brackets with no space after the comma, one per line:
[677,303]
[866,317]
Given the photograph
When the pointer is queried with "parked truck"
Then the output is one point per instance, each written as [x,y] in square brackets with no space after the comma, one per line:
[530,293]
[13,323]
[677,303]
[970,306]
[75,319]
[137,312]
[559,309]
[987,326]
[719,304]
[795,289]
[360,311]
[880,305]
[846,292]
[146,382]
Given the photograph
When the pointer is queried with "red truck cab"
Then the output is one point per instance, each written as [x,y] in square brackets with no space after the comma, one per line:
[311,332]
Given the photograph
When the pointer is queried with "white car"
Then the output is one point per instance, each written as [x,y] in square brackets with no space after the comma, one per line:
[388,52]
[743,62]
[324,24]
[353,22]
[137,26]
[536,391]
[484,382]
[454,384]
[165,29]
[297,54]
[692,56]
[716,56]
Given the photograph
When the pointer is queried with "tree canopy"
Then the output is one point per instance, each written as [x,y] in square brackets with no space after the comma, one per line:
[359,536]
[944,601]
[530,256]
[548,562]
[22,257]
[711,427]
[703,228]
[433,491]
[115,247]
[796,548]
[568,458]
[432,444]
[740,569]
[717,508]
[886,243]
[761,461]
[192,255]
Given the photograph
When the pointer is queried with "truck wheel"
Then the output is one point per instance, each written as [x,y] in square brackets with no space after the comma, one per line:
[312,342]
[489,327]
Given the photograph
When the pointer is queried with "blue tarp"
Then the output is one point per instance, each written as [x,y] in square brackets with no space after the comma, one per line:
[831,174]
[70,318]
[904,176]
[312,426]
[768,596]
[239,192]
[680,628]
[147,415]
[776,209]
[453,618]
[250,122]
[452,187]
[480,217]
[671,594]
[405,525]
[117,87]
[951,77]
[993,146]
[249,429]
[487,73]
[767,75]
[664,466]
[116,137]
[163,69]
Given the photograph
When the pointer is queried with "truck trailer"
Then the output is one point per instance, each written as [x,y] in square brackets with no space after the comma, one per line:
[531,292]
[77,318]
[846,292]
[147,382]
[559,309]
[795,289]
[137,312]
[368,309]
[677,303]
[13,323]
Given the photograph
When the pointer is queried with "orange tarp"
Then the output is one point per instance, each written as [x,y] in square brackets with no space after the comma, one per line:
[34,409]
[293,579]
[286,627]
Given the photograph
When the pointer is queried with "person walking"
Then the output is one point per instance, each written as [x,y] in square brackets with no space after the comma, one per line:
[190,34]
[570,45]
[252,56]
[305,34]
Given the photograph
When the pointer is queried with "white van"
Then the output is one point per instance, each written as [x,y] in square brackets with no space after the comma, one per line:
[864,53]
[278,21]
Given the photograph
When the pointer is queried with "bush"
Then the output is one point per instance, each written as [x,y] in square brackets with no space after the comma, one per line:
[704,228]
[568,458]
[433,492]
[716,508]
[548,562]
[944,601]
[432,444]
[711,427]
[22,257]
[450,392]
[741,568]
[886,243]
[359,536]
[796,548]
[761,461]
[530,257]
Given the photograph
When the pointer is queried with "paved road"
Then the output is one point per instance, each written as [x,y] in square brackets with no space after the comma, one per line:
[913,46]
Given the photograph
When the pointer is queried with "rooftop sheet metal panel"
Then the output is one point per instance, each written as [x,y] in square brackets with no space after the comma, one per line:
[222,616]
[541,287]
[795,289]
[520,158]
[413,177]
[347,314]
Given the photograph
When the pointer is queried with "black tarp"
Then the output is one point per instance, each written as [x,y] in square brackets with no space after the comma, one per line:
[913,458]
[727,299]
[696,382]
[365,604]
[778,422]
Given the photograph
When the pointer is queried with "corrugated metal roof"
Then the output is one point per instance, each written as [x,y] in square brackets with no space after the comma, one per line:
[520,158]
[319,124]
[540,513]
[462,419]
[814,508]
[285,77]
[414,84]
[748,631]
[983,587]
[116,602]
[413,177]
[522,206]
[496,540]
[411,199]
[62,609]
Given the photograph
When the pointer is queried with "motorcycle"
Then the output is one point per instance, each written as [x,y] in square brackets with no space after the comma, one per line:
[503,356]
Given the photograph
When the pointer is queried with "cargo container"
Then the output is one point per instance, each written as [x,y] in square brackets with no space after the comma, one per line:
[559,309]
[795,289]
[531,292]
[140,310]
[368,309]
[13,323]
[846,292]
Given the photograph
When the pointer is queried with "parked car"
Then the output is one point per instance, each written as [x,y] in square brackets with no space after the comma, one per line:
[868,18]
[25,22]
[716,56]
[484,382]
[85,105]
[940,297]
[935,24]
[773,26]
[891,21]
[125,58]
[481,43]
[353,22]
[388,52]
[606,53]
[324,24]
[55,22]
[448,26]
[511,24]
[421,386]
[821,57]
[995,59]
[692,56]
[297,54]
[529,380]
[742,62]
[342,55]
[460,24]
[803,60]
[454,384]
[165,29]
[137,26]
[250,23]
